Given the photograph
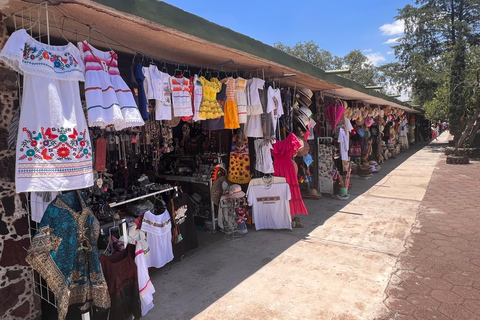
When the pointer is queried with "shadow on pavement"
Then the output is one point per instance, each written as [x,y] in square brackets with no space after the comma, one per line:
[186,288]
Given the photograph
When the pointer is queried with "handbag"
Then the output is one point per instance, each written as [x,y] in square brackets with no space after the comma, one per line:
[355,150]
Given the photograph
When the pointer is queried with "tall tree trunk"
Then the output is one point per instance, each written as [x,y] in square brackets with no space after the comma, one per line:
[468,129]
[473,134]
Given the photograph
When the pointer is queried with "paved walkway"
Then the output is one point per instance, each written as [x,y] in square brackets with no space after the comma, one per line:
[354,260]
[438,276]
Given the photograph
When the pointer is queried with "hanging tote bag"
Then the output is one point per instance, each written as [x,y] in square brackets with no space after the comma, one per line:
[355,150]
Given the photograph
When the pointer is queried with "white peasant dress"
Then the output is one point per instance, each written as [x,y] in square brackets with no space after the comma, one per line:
[109,100]
[54,151]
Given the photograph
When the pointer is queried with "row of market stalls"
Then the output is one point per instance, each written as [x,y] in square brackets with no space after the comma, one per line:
[178,126]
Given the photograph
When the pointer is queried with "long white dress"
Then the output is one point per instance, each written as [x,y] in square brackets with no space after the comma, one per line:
[54,151]
[159,238]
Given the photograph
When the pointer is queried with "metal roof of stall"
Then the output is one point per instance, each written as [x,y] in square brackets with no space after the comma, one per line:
[160,30]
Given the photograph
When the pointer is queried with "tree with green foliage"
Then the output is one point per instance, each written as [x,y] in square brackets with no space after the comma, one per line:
[362,71]
[438,35]
[311,53]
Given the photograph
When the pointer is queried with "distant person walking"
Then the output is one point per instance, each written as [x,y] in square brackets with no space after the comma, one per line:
[434,131]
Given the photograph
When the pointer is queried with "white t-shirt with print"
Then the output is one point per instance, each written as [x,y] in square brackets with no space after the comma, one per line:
[271,207]
[274,106]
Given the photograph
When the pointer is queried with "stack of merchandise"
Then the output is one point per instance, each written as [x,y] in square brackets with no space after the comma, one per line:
[365,171]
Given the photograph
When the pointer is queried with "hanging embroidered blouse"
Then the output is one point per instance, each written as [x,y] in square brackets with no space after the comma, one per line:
[64,252]
[181,98]
[157,87]
[230,108]
[54,151]
[197,97]
[210,108]
[109,100]
[241,99]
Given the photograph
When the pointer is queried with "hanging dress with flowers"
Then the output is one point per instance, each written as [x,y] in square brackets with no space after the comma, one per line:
[239,170]
[54,151]
[109,100]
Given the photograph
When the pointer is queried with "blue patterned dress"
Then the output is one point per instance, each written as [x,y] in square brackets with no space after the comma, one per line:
[64,252]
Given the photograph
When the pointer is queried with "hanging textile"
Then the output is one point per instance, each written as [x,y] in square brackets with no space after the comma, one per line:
[122,279]
[241,99]
[263,154]
[157,87]
[197,97]
[270,205]
[334,114]
[239,170]
[210,108]
[64,252]
[274,106]
[182,212]
[253,126]
[109,100]
[54,151]
[282,152]
[159,238]
[181,98]
[230,108]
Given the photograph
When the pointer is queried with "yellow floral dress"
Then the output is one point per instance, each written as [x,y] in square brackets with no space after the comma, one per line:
[210,108]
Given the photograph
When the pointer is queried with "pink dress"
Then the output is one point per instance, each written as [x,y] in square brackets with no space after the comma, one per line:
[282,153]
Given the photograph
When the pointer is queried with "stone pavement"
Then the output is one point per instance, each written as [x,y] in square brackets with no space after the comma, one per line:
[438,275]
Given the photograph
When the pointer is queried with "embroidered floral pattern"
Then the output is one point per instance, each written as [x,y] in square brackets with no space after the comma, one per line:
[64,61]
[56,144]
[156,224]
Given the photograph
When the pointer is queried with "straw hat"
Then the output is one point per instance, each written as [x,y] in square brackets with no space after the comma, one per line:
[360,121]
[311,194]
[348,113]
[307,93]
[355,113]
[302,120]
[381,113]
[306,111]
[370,113]
[235,191]
[388,110]
[305,101]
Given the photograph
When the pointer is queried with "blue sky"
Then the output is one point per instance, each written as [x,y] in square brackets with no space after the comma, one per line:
[337,26]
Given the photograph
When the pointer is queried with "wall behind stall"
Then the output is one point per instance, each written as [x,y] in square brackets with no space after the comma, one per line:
[18,300]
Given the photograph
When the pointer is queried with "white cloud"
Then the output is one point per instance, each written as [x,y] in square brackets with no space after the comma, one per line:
[390,52]
[375,58]
[394,40]
[367,50]
[391,29]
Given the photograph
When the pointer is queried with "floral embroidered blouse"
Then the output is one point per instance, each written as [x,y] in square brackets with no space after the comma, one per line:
[54,151]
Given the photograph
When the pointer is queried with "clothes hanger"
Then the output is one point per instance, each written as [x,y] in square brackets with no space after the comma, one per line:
[103,36]
[62,23]
[267,179]
[179,71]
[186,70]
[164,68]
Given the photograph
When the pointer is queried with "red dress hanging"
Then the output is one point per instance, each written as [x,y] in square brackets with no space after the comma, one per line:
[282,153]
